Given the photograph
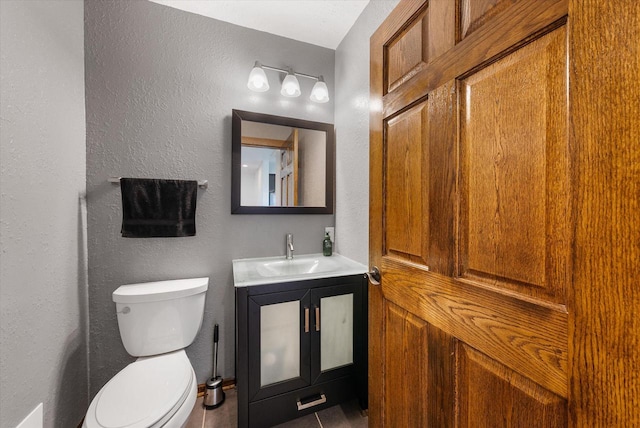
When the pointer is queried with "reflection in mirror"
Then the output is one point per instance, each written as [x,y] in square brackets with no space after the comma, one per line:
[281,165]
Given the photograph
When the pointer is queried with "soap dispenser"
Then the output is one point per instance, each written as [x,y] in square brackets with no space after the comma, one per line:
[327,246]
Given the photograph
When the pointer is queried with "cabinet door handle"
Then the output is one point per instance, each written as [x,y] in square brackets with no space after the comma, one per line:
[306,320]
[305,403]
[317,318]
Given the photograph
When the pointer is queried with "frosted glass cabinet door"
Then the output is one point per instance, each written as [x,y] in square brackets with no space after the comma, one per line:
[280,342]
[336,331]
[278,352]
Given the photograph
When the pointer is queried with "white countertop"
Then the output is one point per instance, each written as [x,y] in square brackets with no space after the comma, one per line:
[271,270]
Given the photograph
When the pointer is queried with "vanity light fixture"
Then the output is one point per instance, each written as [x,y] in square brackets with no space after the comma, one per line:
[258,82]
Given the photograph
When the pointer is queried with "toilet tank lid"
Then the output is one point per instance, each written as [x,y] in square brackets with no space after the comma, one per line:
[159,290]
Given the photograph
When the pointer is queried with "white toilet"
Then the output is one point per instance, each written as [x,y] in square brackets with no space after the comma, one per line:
[157,320]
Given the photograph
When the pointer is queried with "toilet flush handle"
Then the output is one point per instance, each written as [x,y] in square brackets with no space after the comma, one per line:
[124,310]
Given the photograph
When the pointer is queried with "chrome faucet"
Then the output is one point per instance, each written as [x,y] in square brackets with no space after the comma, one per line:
[289,247]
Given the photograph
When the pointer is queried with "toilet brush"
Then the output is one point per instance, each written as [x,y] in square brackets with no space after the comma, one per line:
[213,393]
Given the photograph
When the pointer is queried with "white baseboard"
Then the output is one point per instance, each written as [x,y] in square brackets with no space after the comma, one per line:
[34,420]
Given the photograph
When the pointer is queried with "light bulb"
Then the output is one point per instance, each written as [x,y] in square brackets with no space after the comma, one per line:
[320,92]
[290,86]
[258,79]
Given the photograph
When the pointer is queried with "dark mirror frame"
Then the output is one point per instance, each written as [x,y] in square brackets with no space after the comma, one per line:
[237,116]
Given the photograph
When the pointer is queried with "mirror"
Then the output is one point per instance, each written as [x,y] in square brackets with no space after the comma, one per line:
[281,165]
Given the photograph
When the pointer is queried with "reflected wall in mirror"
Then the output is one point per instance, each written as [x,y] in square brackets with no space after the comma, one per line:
[281,165]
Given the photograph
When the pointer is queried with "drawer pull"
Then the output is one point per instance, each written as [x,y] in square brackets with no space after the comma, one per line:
[305,403]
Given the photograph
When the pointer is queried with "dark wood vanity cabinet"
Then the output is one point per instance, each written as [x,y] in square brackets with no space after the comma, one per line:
[300,347]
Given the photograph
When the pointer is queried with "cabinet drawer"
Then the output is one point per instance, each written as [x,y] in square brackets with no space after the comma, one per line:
[281,408]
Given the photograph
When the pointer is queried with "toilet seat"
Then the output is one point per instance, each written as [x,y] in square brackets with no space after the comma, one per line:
[145,394]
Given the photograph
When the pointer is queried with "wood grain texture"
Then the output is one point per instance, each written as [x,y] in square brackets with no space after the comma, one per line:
[514,229]
[405,370]
[492,395]
[393,25]
[376,320]
[407,53]
[474,13]
[419,372]
[425,36]
[528,337]
[441,378]
[523,333]
[523,353]
[376,238]
[440,209]
[441,34]
[406,173]
[604,348]
[501,34]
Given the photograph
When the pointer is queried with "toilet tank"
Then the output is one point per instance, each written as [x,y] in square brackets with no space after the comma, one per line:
[159,317]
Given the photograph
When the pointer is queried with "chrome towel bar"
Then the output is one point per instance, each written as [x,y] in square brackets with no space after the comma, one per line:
[203,184]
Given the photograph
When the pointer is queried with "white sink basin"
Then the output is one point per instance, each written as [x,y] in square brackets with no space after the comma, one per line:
[299,266]
[270,270]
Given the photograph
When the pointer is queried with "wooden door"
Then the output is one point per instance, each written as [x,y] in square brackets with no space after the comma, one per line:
[473,198]
[290,170]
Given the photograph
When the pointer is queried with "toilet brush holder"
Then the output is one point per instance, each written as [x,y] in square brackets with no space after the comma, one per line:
[213,393]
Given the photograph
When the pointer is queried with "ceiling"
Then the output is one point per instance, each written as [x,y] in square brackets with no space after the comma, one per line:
[319,22]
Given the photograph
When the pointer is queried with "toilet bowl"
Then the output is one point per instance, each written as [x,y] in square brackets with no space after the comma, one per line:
[157,321]
[157,391]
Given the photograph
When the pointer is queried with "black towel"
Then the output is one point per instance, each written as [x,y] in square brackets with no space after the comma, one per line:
[158,208]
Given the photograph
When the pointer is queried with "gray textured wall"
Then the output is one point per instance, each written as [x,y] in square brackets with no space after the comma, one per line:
[352,132]
[42,162]
[160,86]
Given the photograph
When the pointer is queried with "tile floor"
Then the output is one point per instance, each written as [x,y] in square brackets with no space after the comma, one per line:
[347,415]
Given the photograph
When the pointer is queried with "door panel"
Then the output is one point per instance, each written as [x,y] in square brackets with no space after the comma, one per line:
[420,372]
[277,323]
[407,172]
[406,368]
[514,171]
[408,52]
[492,395]
[470,219]
[336,320]
[421,39]
[420,170]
